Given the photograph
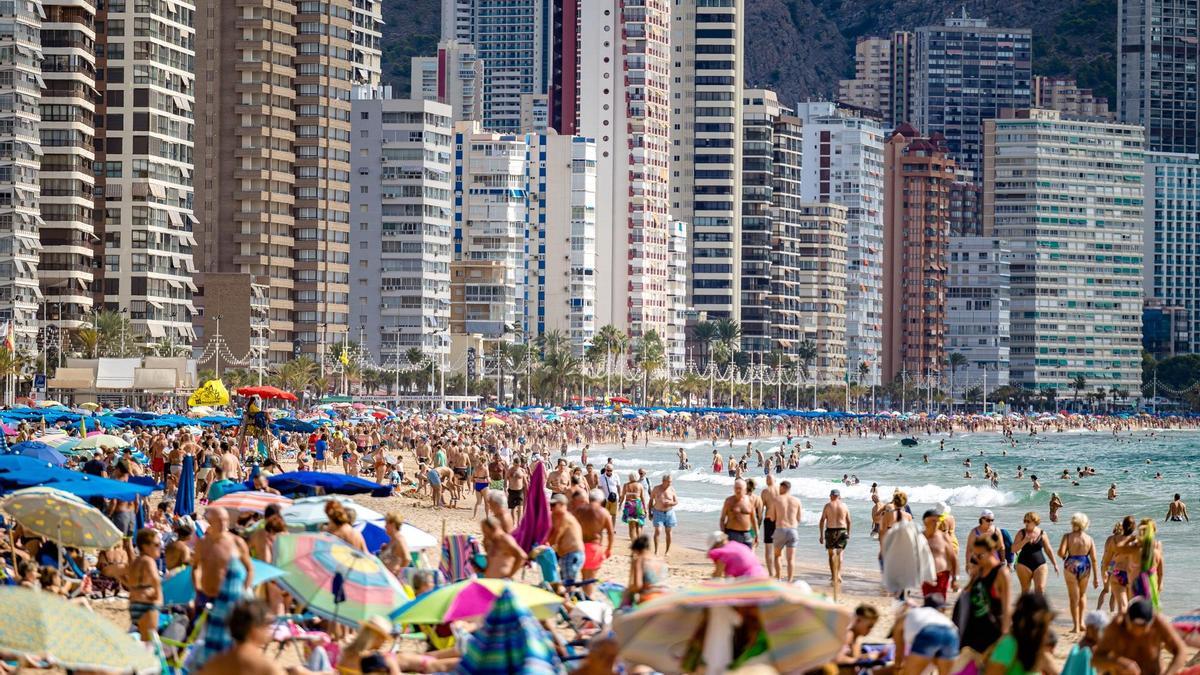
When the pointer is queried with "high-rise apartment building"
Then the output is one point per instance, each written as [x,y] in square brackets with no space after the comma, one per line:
[560,184]
[977,314]
[904,88]
[706,100]
[366,33]
[760,112]
[842,163]
[1067,197]
[21,153]
[1158,71]
[402,159]
[144,163]
[871,88]
[68,114]
[965,72]
[1172,241]
[623,83]
[453,77]
[808,281]
[273,157]
[489,276]
[918,177]
[1066,96]
[513,38]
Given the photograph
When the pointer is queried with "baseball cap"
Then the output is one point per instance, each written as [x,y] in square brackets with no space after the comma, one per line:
[715,538]
[987,513]
[558,499]
[1141,611]
[1096,619]
[941,508]
[835,493]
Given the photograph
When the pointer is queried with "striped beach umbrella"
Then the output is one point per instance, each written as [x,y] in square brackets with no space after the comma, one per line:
[335,581]
[61,517]
[803,631]
[473,598]
[510,641]
[251,501]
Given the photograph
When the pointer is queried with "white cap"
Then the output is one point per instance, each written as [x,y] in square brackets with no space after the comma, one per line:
[715,538]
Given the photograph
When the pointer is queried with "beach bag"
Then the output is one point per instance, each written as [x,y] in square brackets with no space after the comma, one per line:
[1009,556]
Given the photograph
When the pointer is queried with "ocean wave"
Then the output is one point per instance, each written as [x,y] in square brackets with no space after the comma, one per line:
[634,462]
[816,488]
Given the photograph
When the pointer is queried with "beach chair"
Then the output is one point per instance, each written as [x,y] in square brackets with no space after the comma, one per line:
[462,557]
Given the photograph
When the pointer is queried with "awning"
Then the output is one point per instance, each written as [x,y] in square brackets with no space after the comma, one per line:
[175,218]
[175,284]
[191,285]
[156,329]
[156,305]
[116,373]
[192,217]
[189,264]
[154,379]
[158,191]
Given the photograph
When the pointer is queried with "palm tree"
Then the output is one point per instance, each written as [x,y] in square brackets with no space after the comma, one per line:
[705,333]
[955,360]
[88,340]
[13,364]
[115,333]
[559,367]
[729,333]
[371,380]
[1101,396]
[1115,392]
[1078,383]
[807,352]
[649,354]
[610,342]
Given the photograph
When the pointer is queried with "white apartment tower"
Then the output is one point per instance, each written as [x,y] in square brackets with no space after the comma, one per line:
[145,167]
[842,163]
[1067,197]
[560,175]
[489,233]
[706,154]
[512,37]
[453,77]
[400,240]
[68,131]
[1172,237]
[20,156]
[978,312]
[623,85]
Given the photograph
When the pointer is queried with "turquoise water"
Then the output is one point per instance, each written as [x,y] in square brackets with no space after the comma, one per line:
[1130,460]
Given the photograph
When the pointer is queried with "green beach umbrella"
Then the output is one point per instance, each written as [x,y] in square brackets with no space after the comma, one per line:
[335,581]
[473,598]
[42,625]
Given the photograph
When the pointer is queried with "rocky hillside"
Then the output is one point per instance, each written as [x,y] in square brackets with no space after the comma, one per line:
[802,47]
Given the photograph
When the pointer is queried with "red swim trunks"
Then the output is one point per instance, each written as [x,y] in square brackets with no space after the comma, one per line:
[941,586]
[593,556]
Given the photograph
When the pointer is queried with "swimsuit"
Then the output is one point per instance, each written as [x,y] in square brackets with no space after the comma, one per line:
[633,512]
[768,531]
[1032,555]
[480,487]
[740,536]
[940,586]
[836,538]
[1079,565]
[139,609]
[515,498]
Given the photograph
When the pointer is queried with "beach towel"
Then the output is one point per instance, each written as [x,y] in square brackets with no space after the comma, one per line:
[217,639]
[534,528]
[459,553]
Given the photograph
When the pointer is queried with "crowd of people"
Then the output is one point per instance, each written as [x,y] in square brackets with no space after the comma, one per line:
[440,461]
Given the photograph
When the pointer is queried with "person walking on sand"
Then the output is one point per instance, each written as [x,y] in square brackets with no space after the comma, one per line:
[1033,552]
[945,557]
[737,515]
[1078,552]
[633,505]
[834,532]
[769,494]
[786,512]
[663,501]
[1177,511]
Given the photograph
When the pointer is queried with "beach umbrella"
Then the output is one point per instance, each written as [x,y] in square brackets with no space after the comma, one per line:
[333,580]
[266,392]
[185,493]
[89,405]
[310,511]
[619,399]
[377,537]
[101,441]
[50,404]
[45,626]
[178,590]
[251,501]
[473,598]
[61,517]
[39,451]
[494,422]
[803,632]
[510,641]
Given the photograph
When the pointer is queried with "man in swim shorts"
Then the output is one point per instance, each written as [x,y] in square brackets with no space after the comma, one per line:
[834,532]
[662,511]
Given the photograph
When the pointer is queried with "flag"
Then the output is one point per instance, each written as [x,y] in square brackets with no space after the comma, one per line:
[8,337]
[82,428]
[212,392]
[344,358]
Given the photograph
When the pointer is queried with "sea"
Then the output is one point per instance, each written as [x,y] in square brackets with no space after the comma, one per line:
[1131,460]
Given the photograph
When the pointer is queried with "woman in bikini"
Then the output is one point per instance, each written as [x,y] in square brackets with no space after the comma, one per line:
[145,585]
[1078,552]
[1033,552]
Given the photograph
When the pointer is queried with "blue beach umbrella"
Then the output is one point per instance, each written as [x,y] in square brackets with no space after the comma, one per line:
[39,451]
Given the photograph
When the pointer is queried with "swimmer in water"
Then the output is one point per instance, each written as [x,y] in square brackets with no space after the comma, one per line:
[1177,511]
[1112,492]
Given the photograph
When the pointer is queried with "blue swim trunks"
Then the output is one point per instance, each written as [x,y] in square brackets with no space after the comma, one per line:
[936,642]
[664,518]
[570,565]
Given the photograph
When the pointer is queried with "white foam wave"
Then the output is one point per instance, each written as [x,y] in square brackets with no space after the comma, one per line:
[622,462]
[687,445]
[700,505]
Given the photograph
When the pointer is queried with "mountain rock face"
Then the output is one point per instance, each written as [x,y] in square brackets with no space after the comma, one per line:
[801,48]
